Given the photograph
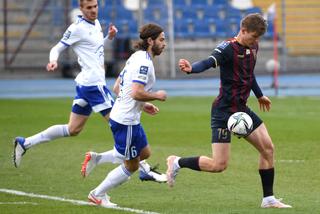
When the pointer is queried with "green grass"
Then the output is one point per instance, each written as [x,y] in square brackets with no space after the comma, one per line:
[183,128]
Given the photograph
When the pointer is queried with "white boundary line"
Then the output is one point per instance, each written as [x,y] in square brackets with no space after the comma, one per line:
[290,161]
[18,202]
[77,202]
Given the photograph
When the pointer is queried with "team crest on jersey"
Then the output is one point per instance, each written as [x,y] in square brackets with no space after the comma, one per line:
[67,35]
[143,69]
[223,44]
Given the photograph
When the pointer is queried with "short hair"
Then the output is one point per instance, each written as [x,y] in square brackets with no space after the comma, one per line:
[150,30]
[80,2]
[254,22]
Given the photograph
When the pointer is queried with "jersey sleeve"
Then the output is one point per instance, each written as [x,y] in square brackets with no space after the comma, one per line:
[71,35]
[222,53]
[142,71]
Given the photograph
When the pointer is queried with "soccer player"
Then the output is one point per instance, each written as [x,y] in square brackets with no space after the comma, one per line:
[134,87]
[86,38]
[236,57]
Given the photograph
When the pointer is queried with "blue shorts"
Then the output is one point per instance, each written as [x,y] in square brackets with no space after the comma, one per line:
[129,139]
[219,120]
[96,98]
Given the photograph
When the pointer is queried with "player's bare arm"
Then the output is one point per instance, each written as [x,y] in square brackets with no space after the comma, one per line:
[138,93]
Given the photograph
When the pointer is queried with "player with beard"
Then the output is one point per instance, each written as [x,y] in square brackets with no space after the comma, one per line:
[134,90]
[86,38]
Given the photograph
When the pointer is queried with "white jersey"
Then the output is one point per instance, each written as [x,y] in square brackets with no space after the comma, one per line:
[86,39]
[139,68]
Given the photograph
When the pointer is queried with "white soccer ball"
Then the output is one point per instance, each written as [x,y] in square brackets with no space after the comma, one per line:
[271,64]
[240,124]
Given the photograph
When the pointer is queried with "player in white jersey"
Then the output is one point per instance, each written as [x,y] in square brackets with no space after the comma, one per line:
[86,38]
[134,90]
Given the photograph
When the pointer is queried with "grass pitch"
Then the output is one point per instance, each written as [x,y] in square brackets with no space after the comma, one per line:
[183,128]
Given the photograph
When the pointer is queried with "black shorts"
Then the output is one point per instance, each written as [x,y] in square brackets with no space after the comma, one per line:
[219,120]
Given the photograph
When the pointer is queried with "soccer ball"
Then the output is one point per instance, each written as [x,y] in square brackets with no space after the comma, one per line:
[271,64]
[240,124]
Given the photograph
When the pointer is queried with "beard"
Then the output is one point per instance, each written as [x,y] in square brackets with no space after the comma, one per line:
[156,50]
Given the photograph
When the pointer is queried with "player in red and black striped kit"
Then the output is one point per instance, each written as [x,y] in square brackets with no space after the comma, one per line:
[236,58]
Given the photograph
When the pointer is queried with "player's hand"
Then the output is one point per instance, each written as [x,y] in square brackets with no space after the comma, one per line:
[51,66]
[161,95]
[150,109]
[112,31]
[264,103]
[185,66]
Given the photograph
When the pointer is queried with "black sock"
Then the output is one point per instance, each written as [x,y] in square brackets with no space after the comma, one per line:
[267,177]
[191,163]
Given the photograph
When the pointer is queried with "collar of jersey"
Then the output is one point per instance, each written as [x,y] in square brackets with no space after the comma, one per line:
[81,17]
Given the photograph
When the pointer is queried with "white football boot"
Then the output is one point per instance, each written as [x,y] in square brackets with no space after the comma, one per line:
[89,163]
[272,202]
[103,201]
[18,150]
[172,170]
[148,173]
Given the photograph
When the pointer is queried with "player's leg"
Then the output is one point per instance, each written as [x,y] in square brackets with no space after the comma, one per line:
[261,140]
[221,139]
[78,117]
[127,148]
[146,172]
[217,163]
[21,144]
[115,177]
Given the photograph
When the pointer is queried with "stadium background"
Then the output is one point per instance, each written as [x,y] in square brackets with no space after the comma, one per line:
[29,28]
[28,35]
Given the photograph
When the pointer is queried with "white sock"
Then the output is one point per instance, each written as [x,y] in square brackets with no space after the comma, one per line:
[269,198]
[176,163]
[116,177]
[49,134]
[107,157]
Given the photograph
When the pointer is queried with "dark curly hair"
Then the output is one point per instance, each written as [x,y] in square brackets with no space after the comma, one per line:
[148,31]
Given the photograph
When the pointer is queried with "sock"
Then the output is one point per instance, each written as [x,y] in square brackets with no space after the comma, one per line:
[49,134]
[107,157]
[191,163]
[267,178]
[116,177]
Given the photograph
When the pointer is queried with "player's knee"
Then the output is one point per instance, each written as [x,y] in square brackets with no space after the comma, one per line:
[268,151]
[145,156]
[218,166]
[74,131]
[132,167]
[221,167]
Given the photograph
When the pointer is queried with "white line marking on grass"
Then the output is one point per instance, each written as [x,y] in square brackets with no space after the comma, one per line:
[18,202]
[290,161]
[78,202]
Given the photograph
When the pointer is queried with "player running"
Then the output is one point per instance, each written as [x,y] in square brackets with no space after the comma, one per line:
[86,38]
[134,89]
